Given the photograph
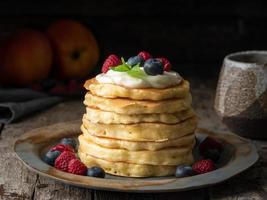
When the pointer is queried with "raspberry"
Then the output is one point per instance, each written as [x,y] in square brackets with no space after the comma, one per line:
[210,143]
[203,166]
[166,64]
[111,61]
[77,167]
[63,160]
[145,55]
[62,147]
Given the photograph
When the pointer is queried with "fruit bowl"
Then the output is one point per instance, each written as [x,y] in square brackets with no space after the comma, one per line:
[238,155]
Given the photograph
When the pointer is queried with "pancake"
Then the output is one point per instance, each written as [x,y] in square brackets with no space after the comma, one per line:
[142,131]
[115,91]
[99,116]
[127,169]
[185,141]
[168,156]
[128,106]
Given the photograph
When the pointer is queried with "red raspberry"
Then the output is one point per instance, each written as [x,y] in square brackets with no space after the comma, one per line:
[145,55]
[63,160]
[111,61]
[210,143]
[166,64]
[77,167]
[62,147]
[203,166]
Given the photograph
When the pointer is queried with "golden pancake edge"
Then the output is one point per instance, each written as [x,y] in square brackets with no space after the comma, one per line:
[106,117]
[117,91]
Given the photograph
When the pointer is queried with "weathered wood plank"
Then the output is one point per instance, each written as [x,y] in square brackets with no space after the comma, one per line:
[105,195]
[49,189]
[17,182]
[201,194]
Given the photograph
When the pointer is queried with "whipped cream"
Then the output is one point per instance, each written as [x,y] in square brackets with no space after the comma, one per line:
[164,80]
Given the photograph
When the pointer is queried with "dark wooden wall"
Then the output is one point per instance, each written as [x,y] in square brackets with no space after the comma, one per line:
[195,35]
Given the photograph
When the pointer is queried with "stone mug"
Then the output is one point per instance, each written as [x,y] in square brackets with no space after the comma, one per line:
[241,95]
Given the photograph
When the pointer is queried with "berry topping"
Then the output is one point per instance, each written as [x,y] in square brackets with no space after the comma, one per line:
[50,157]
[62,161]
[166,64]
[62,147]
[68,141]
[203,166]
[210,143]
[111,61]
[145,55]
[153,67]
[75,166]
[132,61]
[96,172]
[183,171]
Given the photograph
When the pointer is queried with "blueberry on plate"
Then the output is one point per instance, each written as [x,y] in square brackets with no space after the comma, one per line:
[132,61]
[153,67]
[51,156]
[68,141]
[183,171]
[96,172]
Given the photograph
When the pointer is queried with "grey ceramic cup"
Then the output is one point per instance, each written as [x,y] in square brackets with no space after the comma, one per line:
[241,96]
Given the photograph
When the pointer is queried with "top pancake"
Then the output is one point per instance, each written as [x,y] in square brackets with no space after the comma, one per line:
[115,91]
[129,106]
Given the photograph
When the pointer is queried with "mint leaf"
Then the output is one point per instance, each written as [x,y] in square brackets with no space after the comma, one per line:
[136,67]
[121,68]
[136,72]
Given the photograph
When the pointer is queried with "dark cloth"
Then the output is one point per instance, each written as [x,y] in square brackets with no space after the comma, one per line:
[18,103]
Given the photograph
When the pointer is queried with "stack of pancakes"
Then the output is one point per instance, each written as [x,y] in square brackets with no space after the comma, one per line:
[137,132]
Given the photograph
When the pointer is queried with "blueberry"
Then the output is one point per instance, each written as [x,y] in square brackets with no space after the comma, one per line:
[132,61]
[51,156]
[96,172]
[183,171]
[213,154]
[69,141]
[153,67]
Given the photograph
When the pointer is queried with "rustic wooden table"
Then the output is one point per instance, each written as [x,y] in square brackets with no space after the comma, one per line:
[17,182]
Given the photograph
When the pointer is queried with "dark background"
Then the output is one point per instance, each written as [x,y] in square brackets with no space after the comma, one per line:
[194,35]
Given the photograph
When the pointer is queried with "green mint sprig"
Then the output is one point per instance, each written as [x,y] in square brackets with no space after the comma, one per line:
[122,67]
[134,71]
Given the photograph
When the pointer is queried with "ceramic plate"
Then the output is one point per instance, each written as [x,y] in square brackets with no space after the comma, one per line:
[238,155]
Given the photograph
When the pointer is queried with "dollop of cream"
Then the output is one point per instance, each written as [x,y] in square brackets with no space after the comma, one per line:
[167,79]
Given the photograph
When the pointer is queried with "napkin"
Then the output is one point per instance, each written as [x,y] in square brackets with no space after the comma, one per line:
[18,103]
